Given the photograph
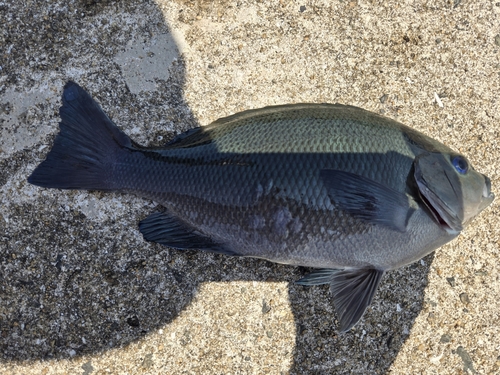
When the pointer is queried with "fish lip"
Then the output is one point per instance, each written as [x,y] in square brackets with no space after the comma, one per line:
[487,188]
[487,193]
[487,200]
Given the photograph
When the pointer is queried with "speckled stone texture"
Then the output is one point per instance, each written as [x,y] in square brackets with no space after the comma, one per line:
[82,293]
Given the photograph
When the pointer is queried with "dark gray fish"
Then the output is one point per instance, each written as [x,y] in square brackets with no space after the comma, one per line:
[326,186]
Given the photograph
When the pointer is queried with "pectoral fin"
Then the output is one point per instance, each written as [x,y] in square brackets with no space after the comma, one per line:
[173,232]
[352,291]
[367,199]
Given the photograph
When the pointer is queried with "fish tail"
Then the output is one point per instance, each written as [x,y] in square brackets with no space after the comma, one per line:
[87,148]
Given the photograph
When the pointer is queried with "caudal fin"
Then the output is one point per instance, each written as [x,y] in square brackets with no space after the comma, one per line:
[87,147]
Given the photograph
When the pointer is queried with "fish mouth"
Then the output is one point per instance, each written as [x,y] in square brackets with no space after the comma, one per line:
[445,216]
[488,195]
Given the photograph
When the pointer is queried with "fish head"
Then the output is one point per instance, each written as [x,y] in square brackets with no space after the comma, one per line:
[451,189]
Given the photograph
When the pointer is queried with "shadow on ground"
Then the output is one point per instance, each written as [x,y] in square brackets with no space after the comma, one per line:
[75,283]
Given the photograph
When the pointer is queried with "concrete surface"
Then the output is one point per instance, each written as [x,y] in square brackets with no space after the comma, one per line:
[82,293]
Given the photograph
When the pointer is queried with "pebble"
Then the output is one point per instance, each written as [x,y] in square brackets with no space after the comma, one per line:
[464,298]
[451,281]
[265,307]
[445,338]
[468,364]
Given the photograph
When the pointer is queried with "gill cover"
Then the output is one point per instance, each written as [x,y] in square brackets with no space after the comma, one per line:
[452,190]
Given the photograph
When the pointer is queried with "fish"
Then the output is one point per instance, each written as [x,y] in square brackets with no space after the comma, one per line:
[344,191]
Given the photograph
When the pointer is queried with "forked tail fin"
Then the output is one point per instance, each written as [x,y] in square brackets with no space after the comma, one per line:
[86,149]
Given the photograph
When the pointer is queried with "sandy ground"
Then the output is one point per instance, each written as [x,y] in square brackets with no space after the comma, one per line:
[82,293]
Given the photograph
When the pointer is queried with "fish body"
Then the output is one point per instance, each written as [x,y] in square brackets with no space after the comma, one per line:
[327,186]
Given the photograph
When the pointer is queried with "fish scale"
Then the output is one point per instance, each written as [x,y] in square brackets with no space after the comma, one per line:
[328,186]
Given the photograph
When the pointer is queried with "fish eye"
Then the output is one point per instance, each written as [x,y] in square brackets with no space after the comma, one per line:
[460,164]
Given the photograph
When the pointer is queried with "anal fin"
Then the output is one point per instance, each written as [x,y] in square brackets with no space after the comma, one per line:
[352,290]
[173,232]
